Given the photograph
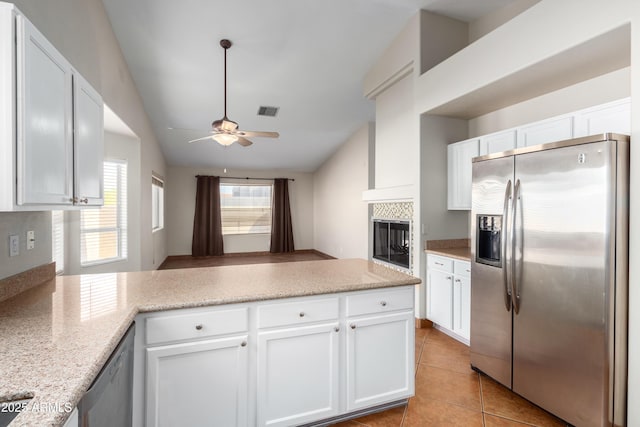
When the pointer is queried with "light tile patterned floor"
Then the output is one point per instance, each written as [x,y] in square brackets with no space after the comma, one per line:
[449,393]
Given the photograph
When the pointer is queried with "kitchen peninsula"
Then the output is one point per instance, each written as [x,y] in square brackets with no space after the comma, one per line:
[56,336]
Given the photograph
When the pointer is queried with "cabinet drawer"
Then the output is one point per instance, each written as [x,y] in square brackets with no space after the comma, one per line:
[462,268]
[380,302]
[440,263]
[176,327]
[297,312]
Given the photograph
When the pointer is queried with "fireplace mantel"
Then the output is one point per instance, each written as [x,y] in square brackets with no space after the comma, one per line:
[402,193]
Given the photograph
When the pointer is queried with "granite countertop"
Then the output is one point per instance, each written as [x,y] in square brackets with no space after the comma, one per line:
[56,337]
[463,254]
[454,248]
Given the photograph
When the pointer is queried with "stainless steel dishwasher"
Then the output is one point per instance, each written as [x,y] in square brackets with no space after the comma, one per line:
[109,400]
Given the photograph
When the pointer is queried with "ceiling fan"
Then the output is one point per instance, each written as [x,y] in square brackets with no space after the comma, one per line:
[225,131]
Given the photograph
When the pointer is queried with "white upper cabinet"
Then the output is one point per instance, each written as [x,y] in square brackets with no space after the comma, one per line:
[498,142]
[88,116]
[52,124]
[610,117]
[459,157]
[44,140]
[555,129]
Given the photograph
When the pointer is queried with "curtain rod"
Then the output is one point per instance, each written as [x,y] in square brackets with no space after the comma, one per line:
[246,177]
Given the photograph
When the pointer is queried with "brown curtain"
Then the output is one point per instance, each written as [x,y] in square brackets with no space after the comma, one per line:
[281,230]
[207,222]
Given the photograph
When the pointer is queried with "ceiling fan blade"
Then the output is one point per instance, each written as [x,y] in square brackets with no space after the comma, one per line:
[200,139]
[244,141]
[257,133]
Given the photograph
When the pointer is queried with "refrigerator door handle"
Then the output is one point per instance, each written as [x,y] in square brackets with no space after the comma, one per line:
[503,246]
[515,294]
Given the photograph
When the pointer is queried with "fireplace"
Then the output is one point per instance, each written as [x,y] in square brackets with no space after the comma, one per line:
[392,242]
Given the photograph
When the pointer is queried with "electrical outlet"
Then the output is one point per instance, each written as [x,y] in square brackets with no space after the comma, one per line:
[31,239]
[14,245]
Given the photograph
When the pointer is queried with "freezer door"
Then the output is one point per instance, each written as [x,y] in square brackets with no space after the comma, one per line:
[490,303]
[564,253]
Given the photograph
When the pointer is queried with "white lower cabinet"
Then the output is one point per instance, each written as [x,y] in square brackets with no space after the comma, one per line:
[198,383]
[274,363]
[298,374]
[380,359]
[449,295]
[440,298]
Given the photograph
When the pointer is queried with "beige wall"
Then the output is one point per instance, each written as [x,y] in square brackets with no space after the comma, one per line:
[116,147]
[341,217]
[19,223]
[609,87]
[81,31]
[180,196]
[396,146]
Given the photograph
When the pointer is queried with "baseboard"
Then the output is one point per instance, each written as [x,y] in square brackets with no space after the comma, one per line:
[315,251]
[423,324]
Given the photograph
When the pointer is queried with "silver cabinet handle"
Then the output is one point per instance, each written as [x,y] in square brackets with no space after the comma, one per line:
[337,329]
[515,295]
[353,326]
[383,303]
[438,263]
[85,200]
[449,277]
[458,281]
[503,247]
[301,314]
[199,327]
[243,344]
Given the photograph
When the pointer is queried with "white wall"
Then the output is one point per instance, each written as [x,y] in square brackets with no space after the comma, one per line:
[180,196]
[81,31]
[341,218]
[116,147]
[485,24]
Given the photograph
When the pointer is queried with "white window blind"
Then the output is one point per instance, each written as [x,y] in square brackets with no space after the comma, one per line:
[103,231]
[245,209]
[57,240]
[157,203]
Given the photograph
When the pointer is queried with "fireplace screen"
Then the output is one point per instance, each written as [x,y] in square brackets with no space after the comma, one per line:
[392,242]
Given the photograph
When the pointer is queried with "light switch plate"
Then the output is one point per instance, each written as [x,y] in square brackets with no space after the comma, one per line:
[31,239]
[14,245]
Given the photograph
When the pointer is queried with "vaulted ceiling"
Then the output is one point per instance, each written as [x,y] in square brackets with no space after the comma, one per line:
[307,57]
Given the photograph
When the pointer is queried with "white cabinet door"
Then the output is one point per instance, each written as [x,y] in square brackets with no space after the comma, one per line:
[498,142]
[462,306]
[298,374]
[440,298]
[88,143]
[556,129]
[198,383]
[459,157]
[380,359]
[45,142]
[611,117]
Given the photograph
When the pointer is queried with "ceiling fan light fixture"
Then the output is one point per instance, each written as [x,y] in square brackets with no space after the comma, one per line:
[224,138]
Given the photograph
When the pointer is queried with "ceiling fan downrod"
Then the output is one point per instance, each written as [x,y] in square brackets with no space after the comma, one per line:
[226,44]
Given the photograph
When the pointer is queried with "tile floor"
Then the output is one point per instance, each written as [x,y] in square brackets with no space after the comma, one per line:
[449,393]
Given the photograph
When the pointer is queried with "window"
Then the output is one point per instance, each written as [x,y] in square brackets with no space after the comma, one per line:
[57,240]
[245,209]
[103,231]
[157,203]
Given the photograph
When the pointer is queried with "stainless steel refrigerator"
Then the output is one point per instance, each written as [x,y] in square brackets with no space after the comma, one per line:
[549,275]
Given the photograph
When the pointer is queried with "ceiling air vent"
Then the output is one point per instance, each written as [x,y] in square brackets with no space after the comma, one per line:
[268,111]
